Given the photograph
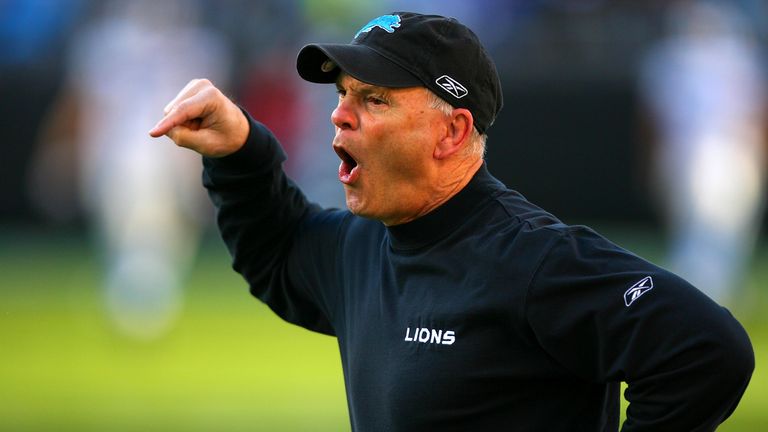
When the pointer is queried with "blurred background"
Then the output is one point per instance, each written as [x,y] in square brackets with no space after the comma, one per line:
[118,309]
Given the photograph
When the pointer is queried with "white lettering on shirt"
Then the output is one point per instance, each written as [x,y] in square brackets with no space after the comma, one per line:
[432,336]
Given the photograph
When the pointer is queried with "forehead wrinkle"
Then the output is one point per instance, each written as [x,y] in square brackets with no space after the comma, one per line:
[355,85]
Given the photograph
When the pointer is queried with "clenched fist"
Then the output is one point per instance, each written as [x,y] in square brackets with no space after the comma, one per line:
[203,119]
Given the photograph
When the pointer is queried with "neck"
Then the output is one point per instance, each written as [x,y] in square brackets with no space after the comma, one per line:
[450,180]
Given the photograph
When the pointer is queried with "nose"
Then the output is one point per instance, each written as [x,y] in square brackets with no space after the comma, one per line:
[343,117]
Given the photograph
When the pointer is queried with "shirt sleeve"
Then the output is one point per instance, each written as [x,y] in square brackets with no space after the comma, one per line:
[609,316]
[282,245]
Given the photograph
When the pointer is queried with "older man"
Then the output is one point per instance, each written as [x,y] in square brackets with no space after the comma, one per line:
[457,304]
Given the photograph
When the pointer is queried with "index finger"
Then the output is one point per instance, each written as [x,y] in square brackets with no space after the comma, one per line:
[169,121]
[188,110]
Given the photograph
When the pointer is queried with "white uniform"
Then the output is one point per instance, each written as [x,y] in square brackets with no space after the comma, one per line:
[143,195]
[706,90]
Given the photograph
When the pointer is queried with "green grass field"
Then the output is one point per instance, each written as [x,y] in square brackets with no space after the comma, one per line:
[227,365]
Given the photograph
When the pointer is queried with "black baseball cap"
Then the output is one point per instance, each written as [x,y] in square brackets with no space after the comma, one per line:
[406,49]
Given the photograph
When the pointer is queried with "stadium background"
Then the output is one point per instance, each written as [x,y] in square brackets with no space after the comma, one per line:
[570,138]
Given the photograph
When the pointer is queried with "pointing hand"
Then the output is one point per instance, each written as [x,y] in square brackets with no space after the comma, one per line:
[203,119]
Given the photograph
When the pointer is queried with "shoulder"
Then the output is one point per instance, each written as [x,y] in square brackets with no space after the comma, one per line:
[514,217]
[532,240]
[511,218]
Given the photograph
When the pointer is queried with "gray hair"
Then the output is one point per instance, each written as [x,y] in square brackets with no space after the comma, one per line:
[476,140]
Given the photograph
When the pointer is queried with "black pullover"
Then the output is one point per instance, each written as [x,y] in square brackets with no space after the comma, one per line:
[487,314]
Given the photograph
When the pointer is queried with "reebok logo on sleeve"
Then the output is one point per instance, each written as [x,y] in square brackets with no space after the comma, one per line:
[635,291]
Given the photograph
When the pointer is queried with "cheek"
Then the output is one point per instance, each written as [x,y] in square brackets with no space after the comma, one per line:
[397,182]
[409,155]
[396,163]
[399,154]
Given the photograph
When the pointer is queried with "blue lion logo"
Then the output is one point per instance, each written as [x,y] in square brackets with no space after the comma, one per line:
[388,23]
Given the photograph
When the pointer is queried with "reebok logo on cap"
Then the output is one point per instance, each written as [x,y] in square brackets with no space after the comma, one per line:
[388,23]
[452,86]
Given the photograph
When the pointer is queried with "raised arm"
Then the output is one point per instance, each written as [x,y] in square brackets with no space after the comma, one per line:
[279,243]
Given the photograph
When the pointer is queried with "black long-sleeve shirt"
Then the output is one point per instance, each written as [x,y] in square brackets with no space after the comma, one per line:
[486,314]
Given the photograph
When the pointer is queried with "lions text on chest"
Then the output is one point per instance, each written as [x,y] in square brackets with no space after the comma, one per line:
[432,336]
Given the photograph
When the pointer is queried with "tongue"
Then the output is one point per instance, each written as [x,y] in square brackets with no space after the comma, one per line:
[348,173]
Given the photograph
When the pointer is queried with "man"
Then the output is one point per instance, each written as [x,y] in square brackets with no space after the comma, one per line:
[457,304]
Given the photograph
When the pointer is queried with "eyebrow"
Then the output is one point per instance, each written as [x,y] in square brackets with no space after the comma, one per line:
[362,87]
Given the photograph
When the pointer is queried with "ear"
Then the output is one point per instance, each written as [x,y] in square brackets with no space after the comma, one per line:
[457,134]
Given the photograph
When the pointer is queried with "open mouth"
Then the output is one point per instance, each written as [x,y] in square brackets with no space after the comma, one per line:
[348,172]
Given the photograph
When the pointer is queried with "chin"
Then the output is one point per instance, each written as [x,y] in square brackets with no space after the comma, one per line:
[354,206]
[359,209]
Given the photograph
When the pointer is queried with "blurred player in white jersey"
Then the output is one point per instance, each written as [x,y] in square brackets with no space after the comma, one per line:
[147,210]
[705,88]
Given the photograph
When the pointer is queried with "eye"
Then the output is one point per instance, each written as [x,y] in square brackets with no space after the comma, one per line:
[376,100]
[341,92]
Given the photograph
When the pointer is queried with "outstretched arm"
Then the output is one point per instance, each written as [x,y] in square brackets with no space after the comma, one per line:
[279,243]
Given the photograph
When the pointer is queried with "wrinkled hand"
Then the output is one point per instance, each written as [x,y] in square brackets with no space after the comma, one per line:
[203,119]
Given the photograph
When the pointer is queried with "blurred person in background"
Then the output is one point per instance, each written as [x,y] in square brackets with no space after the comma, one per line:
[33,34]
[146,211]
[704,88]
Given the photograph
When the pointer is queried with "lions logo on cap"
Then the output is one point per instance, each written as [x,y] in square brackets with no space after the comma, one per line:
[388,23]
